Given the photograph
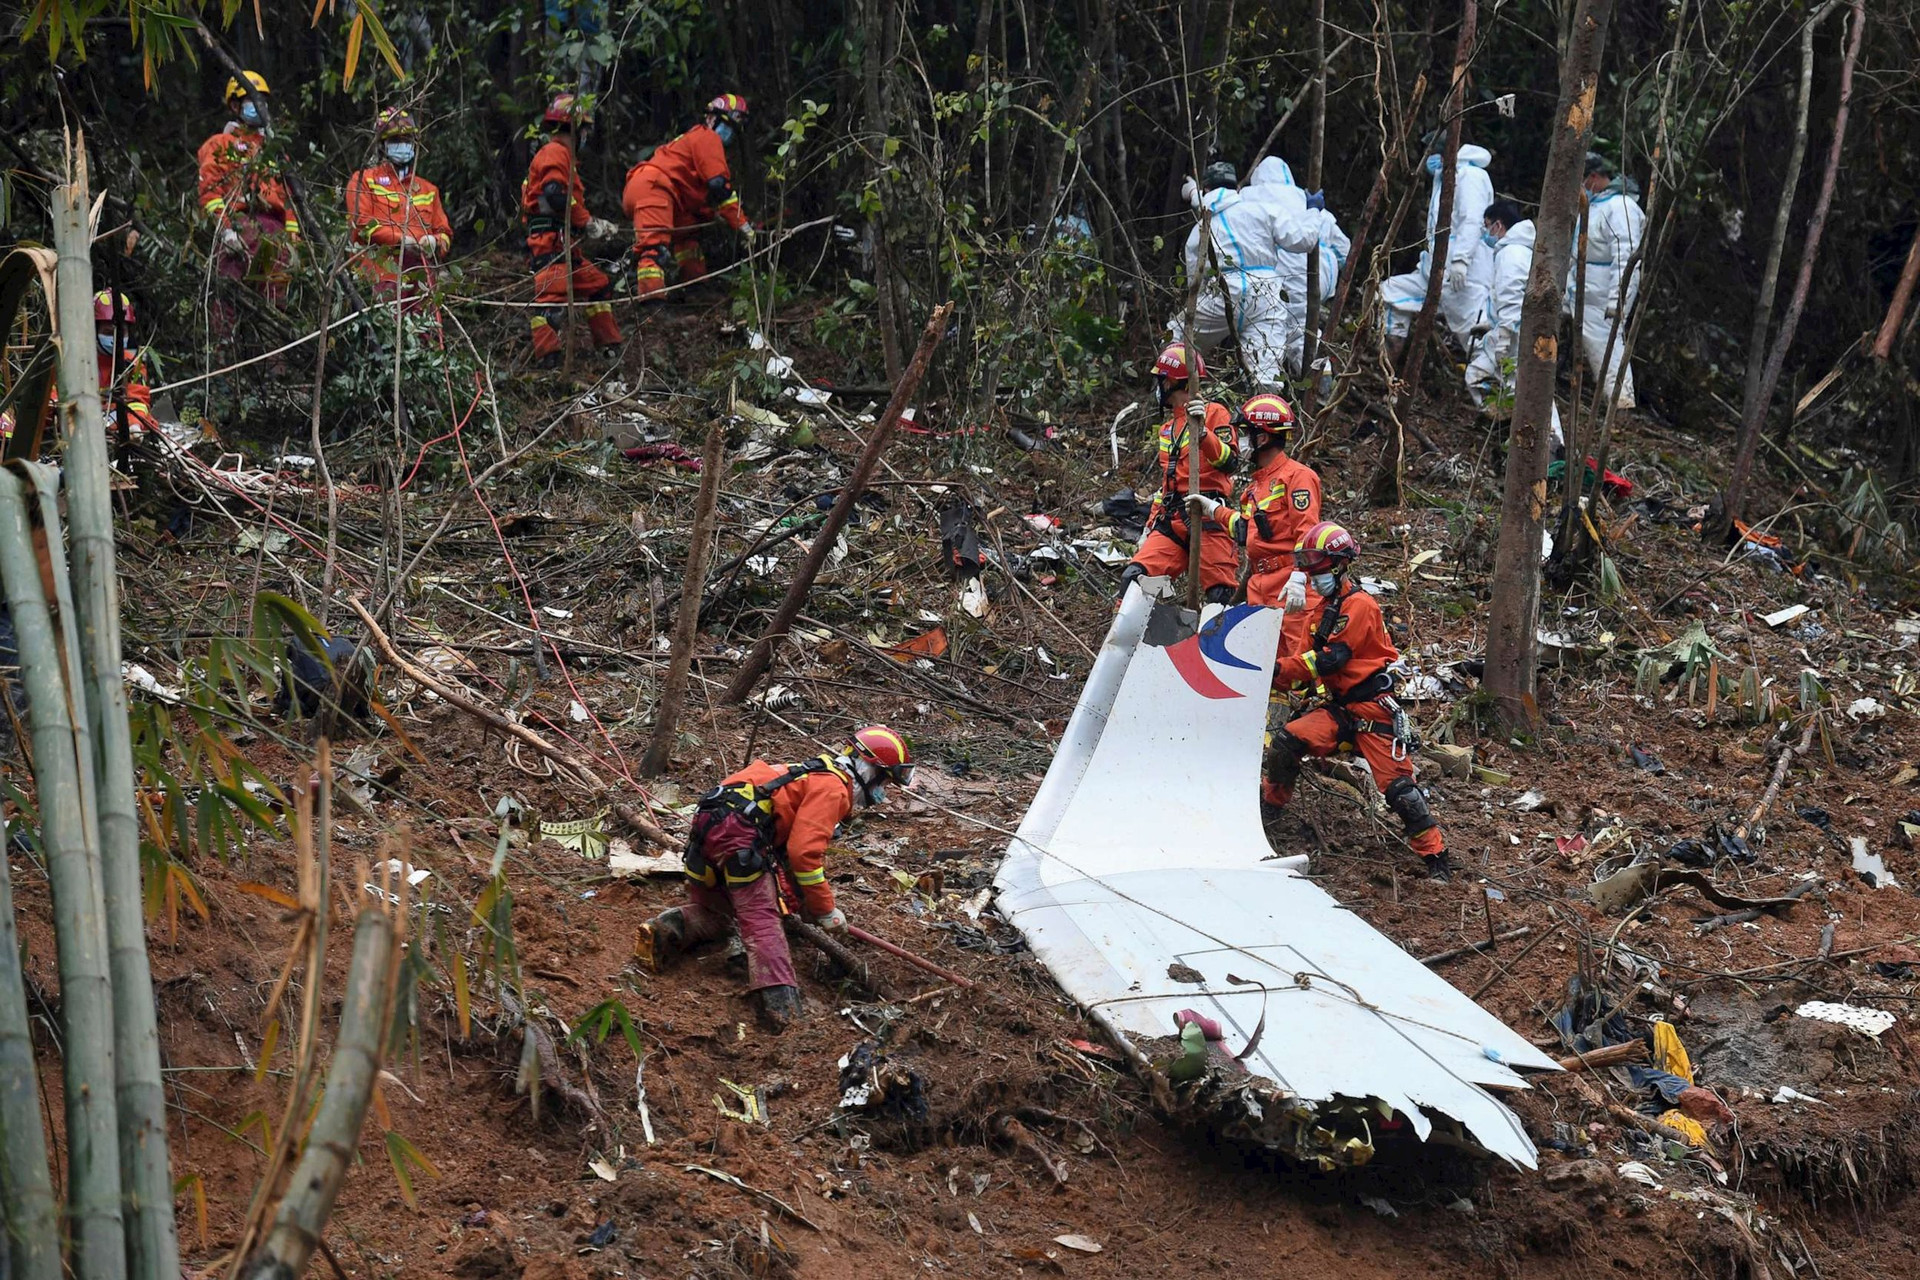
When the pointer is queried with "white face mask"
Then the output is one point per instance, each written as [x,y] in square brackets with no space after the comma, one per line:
[1326,583]
[400,153]
[868,787]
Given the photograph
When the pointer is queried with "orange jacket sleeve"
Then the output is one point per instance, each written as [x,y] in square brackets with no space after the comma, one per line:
[1216,443]
[433,217]
[805,813]
[710,163]
[217,163]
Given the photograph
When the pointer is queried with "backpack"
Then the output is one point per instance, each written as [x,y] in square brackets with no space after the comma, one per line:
[732,829]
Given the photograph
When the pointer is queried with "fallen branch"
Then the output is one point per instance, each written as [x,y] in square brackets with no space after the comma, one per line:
[761,657]
[1611,1056]
[1022,1137]
[448,694]
[840,955]
[785,1208]
[1485,944]
[1707,926]
[918,962]
[1779,776]
[552,1074]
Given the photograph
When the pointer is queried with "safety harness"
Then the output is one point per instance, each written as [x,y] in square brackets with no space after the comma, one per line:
[733,828]
[1170,484]
[1377,687]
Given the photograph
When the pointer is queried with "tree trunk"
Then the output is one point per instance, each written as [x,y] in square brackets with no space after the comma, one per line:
[1391,164]
[1902,299]
[1731,501]
[152,1249]
[873,64]
[1783,216]
[1512,646]
[1451,109]
[1316,157]
[686,623]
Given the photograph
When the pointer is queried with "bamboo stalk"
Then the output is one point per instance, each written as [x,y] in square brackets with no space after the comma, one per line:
[26,1190]
[63,783]
[686,624]
[302,1217]
[153,1250]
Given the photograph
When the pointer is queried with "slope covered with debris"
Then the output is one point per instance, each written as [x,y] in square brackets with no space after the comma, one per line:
[1712,834]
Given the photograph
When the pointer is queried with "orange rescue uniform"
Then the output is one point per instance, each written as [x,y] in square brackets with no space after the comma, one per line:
[683,183]
[240,189]
[549,259]
[139,400]
[384,208]
[1163,552]
[1346,660]
[1281,503]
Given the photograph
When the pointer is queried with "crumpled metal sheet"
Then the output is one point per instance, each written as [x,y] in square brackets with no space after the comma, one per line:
[1143,849]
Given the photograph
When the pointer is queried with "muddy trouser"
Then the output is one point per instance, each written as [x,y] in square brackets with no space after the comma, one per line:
[754,907]
[1596,324]
[1260,321]
[1320,733]
[1485,376]
[590,286]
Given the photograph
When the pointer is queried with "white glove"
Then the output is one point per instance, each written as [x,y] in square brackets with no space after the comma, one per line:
[1197,409]
[1457,276]
[1209,505]
[1190,191]
[230,241]
[749,232]
[428,246]
[1612,308]
[835,921]
[1293,596]
[601,229]
[409,242]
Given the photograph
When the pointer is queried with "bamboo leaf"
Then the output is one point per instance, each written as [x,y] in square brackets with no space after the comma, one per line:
[405,1157]
[268,1043]
[178,873]
[279,897]
[354,34]
[381,40]
[462,998]
[194,1183]
[381,1115]
[394,724]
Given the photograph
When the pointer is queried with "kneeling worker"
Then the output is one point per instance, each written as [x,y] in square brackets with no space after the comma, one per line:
[766,818]
[1347,661]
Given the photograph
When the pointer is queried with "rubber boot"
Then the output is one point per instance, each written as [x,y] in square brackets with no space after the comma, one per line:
[779,1007]
[1439,867]
[660,939]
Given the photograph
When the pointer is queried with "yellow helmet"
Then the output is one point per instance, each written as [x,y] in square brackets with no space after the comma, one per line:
[257,81]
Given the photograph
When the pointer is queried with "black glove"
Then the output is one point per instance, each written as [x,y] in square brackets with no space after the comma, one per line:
[1333,657]
[553,198]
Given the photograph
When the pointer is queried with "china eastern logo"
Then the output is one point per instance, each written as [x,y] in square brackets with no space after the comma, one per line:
[1193,657]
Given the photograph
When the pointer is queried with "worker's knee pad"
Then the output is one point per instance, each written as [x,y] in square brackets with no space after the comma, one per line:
[1220,594]
[1284,754]
[1405,798]
[1130,575]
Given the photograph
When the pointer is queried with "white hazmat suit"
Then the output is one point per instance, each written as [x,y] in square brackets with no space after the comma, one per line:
[1615,225]
[1463,289]
[1273,185]
[1512,262]
[1248,237]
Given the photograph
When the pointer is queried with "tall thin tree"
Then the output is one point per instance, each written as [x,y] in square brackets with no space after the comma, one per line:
[1512,642]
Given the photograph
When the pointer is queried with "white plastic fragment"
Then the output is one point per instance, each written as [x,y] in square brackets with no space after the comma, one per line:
[143,680]
[1635,1171]
[1868,1022]
[1781,618]
[1865,709]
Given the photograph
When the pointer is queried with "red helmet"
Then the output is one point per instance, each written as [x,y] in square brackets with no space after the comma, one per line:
[881,746]
[1266,415]
[561,111]
[730,105]
[103,307]
[395,123]
[1326,548]
[1173,364]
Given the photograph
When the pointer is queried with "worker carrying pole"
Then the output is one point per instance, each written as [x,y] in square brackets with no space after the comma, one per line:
[1196,457]
[762,821]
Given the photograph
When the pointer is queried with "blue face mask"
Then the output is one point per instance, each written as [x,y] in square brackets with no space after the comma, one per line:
[725,130]
[106,342]
[250,112]
[1489,239]
[400,153]
[1433,165]
[1326,583]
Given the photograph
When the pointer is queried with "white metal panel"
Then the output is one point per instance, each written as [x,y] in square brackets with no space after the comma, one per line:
[1143,848]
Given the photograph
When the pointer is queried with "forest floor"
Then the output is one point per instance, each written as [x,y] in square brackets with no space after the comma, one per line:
[1817,1184]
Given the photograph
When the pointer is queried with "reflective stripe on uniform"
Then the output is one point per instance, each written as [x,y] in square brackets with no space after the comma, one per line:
[816,876]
